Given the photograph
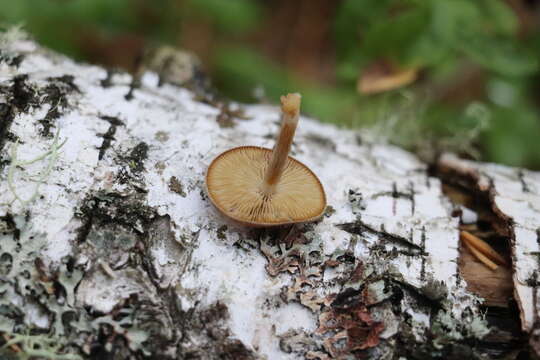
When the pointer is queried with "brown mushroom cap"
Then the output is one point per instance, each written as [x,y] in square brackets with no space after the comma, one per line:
[235,186]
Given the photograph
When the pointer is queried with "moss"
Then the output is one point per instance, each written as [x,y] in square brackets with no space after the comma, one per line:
[222,232]
[132,164]
[176,186]
[137,156]
[130,212]
[56,95]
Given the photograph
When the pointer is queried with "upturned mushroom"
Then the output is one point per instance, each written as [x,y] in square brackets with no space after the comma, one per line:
[260,187]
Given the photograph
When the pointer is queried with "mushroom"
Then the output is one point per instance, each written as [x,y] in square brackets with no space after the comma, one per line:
[260,187]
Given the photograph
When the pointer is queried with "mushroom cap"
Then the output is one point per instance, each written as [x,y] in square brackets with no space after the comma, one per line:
[235,178]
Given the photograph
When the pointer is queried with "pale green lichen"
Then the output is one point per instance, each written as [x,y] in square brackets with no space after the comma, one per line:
[11,35]
[38,310]
[51,155]
[27,302]
[39,347]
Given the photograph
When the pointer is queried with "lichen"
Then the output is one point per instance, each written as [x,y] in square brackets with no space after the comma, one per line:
[49,158]
[27,284]
[371,298]
[107,300]
[27,347]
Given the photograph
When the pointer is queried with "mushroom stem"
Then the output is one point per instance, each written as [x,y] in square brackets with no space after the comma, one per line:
[290,108]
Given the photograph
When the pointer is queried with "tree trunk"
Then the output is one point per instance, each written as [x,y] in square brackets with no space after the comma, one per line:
[110,248]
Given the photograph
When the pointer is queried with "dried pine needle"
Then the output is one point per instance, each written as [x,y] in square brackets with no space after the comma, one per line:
[483,247]
[490,264]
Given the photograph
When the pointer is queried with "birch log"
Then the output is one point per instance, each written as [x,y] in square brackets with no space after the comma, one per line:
[514,195]
[110,248]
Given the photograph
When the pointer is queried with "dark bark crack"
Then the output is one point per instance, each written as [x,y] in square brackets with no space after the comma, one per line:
[108,136]
[462,187]
[359,228]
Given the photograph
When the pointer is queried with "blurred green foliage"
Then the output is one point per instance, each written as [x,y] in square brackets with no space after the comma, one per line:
[231,16]
[443,39]
[63,24]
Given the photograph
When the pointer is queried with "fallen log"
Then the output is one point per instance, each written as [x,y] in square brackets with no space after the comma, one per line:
[111,249]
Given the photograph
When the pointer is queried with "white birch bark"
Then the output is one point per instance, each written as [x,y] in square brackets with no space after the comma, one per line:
[515,197]
[104,218]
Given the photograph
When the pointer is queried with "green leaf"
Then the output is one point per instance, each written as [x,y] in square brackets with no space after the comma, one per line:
[501,55]
[513,136]
[394,37]
[234,16]
[427,50]
[240,70]
[481,30]
[449,18]
[352,19]
[498,17]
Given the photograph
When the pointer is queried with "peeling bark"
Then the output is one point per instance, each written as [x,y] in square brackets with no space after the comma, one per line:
[514,197]
[115,252]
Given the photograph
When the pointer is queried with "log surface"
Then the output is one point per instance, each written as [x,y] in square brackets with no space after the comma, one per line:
[111,249]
